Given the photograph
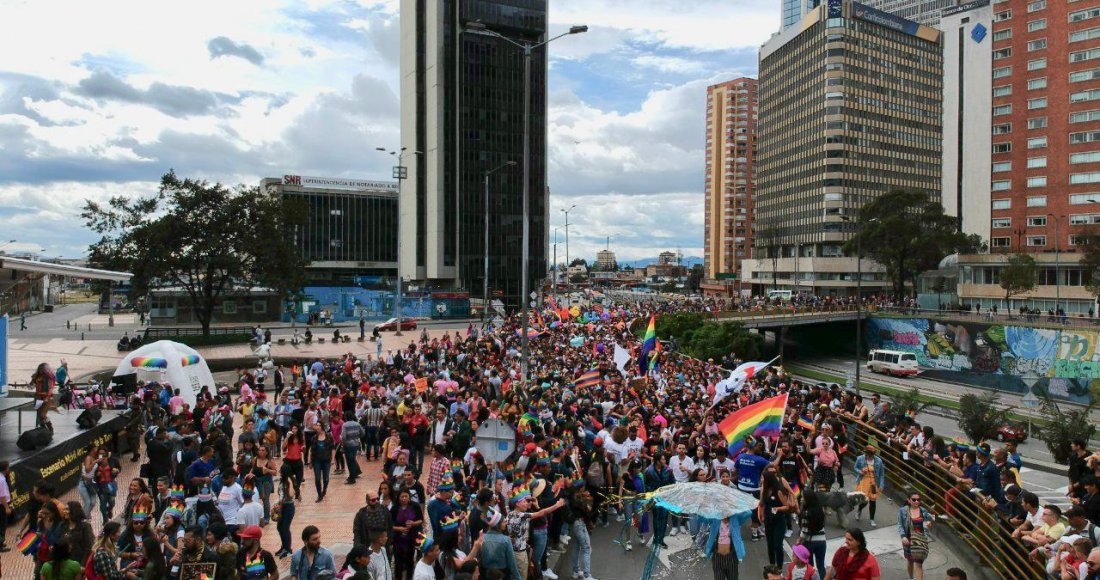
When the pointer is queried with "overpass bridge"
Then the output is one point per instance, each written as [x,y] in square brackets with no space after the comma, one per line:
[765,320]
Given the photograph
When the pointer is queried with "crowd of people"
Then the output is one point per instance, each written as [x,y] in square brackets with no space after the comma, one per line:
[587,454]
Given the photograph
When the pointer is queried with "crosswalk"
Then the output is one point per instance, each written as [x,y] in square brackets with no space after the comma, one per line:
[1039,482]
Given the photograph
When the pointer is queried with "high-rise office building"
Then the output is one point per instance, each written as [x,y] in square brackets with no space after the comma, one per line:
[850,108]
[462,102]
[795,10]
[732,109]
[967,120]
[926,12]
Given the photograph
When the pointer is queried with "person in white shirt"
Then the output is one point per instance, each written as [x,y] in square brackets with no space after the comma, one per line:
[681,466]
[251,513]
[722,461]
[425,566]
[633,444]
[379,567]
[230,500]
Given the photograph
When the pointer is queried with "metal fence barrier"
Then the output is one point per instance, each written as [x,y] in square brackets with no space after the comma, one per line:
[982,528]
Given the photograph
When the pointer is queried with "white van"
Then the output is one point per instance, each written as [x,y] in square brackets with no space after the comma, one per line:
[893,362]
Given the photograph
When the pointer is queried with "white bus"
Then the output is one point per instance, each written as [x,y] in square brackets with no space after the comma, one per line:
[892,362]
[783,295]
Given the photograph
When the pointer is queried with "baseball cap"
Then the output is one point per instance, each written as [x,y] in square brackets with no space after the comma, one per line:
[251,532]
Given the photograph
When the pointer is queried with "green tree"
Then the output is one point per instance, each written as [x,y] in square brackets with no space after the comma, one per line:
[769,240]
[577,278]
[909,402]
[979,415]
[1065,426]
[695,277]
[1090,261]
[204,238]
[1019,276]
[908,233]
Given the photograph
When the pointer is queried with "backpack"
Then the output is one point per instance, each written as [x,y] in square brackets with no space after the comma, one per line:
[593,476]
[89,569]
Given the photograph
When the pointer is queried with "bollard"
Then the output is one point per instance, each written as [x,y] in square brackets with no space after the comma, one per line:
[89,327]
[82,337]
[66,325]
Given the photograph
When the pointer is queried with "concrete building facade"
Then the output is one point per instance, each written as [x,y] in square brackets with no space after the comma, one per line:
[729,173]
[831,143]
[462,103]
[967,114]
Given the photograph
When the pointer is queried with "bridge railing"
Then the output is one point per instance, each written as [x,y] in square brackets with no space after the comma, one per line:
[1044,319]
[979,526]
[774,311]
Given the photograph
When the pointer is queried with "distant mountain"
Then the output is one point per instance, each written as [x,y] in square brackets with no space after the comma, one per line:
[687,261]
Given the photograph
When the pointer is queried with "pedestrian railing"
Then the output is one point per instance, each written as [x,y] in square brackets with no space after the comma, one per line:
[980,526]
[1017,319]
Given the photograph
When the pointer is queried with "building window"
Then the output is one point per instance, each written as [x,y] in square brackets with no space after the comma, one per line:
[1002,110]
[1086,14]
[259,307]
[1002,223]
[1002,53]
[1036,221]
[1003,185]
[1002,129]
[1037,44]
[1084,75]
[1002,147]
[1084,137]
[1086,157]
[1084,219]
[1002,242]
[1036,240]
[1000,166]
[1035,25]
[1037,201]
[1036,162]
[1082,96]
[1002,91]
[1083,55]
[1002,204]
[1037,181]
[1040,103]
[1087,34]
[1039,83]
[1002,72]
[1084,198]
[1003,34]
[1036,6]
[1037,123]
[1036,142]
[1037,64]
[1079,178]
[1004,15]
[229,307]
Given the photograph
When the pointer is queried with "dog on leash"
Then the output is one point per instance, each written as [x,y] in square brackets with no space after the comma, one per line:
[842,503]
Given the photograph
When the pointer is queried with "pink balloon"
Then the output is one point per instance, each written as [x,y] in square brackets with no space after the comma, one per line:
[409,379]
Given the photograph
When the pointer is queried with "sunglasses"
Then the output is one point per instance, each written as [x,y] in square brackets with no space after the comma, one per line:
[914,499]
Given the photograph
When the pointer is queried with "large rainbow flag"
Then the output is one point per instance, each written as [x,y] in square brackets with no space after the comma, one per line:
[762,419]
[588,380]
[649,345]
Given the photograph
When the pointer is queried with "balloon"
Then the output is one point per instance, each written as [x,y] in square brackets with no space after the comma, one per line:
[409,379]
[576,341]
[600,347]
[605,316]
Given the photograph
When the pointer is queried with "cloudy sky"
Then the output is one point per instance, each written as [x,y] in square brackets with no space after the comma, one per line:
[96,102]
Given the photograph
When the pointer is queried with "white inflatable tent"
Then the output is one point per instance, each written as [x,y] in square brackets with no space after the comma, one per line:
[169,362]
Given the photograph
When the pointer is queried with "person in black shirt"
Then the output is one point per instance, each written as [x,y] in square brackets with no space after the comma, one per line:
[254,562]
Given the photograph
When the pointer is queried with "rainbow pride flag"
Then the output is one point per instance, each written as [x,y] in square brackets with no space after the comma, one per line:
[29,544]
[531,332]
[805,423]
[649,345]
[588,380]
[762,419]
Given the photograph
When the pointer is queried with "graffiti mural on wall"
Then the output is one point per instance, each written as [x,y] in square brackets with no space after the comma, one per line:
[997,356]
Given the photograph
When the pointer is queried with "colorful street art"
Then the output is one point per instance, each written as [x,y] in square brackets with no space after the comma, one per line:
[995,355]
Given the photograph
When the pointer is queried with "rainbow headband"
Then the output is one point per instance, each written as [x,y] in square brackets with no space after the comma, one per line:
[174,512]
[446,483]
[519,493]
[450,522]
[542,459]
[177,492]
[557,448]
[424,543]
[139,516]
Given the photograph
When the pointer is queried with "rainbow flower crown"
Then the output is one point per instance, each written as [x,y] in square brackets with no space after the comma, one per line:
[519,493]
[248,490]
[456,465]
[542,459]
[450,522]
[139,516]
[177,492]
[557,448]
[174,512]
[424,542]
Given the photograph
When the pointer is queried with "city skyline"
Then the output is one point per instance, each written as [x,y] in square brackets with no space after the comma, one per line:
[109,103]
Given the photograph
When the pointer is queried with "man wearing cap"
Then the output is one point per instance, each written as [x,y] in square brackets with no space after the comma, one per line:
[254,562]
[989,477]
[429,553]
[440,506]
[496,549]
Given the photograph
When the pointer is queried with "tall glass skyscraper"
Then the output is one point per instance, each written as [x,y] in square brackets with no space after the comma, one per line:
[462,107]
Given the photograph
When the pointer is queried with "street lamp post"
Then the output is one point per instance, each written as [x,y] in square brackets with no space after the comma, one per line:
[859,293]
[485,274]
[527,48]
[566,212]
[1057,266]
[400,172]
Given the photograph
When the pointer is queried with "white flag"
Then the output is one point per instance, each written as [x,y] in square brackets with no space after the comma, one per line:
[737,379]
[622,358]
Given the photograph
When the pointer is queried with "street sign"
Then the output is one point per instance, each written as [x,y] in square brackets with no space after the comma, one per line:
[533,295]
[1031,401]
[400,172]
[496,440]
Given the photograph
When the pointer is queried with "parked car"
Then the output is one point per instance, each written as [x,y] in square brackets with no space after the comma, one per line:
[391,324]
[1009,432]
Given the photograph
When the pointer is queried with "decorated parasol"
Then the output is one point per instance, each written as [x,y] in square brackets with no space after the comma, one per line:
[707,500]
